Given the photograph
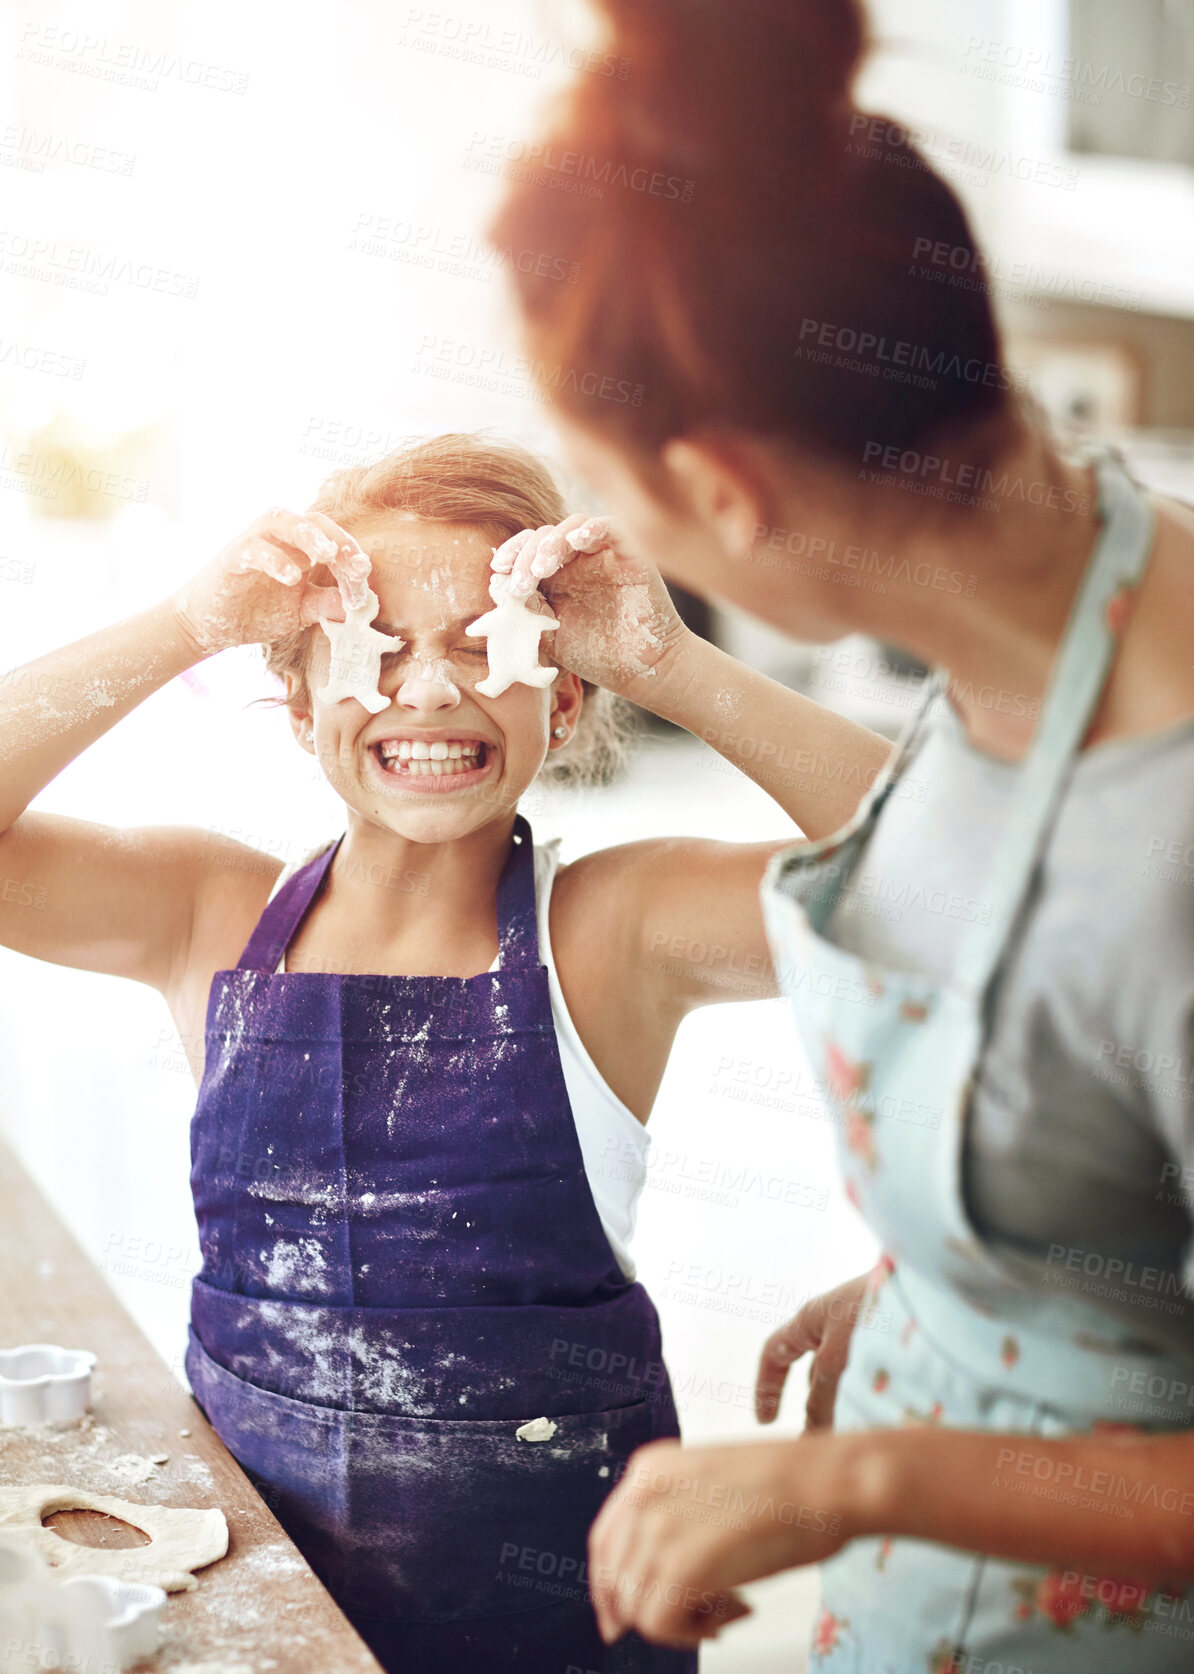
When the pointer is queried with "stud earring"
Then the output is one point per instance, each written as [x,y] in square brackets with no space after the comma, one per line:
[559,732]
[308,737]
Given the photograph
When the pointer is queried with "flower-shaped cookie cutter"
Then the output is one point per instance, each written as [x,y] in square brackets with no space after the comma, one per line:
[88,1621]
[43,1384]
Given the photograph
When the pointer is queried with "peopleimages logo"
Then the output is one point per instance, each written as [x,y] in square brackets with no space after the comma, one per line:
[576,167]
[970,478]
[963,265]
[473,41]
[1082,79]
[898,359]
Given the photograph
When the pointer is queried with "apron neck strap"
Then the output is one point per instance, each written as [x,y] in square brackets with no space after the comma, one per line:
[1079,674]
[824,864]
[518,925]
[283,914]
[517,912]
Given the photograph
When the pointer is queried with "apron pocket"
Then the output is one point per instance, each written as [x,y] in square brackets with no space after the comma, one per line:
[427,1519]
[459,1518]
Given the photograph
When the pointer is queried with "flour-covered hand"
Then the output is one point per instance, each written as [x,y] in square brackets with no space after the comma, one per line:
[617,621]
[257,589]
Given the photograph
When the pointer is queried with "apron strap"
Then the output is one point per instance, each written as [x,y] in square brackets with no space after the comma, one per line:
[820,868]
[1075,686]
[281,917]
[517,911]
[517,915]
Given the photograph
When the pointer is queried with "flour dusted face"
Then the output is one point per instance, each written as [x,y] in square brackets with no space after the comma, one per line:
[429,750]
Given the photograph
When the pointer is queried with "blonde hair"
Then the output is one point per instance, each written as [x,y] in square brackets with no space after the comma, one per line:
[473,481]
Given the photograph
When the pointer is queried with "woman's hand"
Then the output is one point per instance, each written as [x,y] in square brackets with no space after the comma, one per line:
[617,621]
[256,592]
[686,1526]
[823,1327]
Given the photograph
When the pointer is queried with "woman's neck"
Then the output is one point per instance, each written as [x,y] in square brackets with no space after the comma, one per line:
[984,591]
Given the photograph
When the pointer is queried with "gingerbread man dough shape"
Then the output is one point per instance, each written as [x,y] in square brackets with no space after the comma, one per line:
[511,634]
[357,650]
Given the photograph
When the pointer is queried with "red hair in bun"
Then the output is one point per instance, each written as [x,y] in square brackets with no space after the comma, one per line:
[748,248]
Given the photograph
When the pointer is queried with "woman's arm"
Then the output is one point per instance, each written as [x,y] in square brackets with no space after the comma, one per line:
[1120,1504]
[687,1526]
[97,897]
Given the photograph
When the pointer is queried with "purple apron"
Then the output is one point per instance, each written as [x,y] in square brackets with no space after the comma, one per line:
[403,1264]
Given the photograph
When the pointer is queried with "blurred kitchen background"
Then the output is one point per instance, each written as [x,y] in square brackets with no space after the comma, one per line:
[241,248]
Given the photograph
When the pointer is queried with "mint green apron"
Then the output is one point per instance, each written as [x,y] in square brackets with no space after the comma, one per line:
[968,1347]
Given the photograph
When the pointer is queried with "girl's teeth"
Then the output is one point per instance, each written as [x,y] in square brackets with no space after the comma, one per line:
[415,755]
[457,758]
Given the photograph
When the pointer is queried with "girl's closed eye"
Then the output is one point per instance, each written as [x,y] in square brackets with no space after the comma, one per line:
[469,651]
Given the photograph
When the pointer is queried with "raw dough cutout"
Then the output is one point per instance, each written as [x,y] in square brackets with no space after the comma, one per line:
[180,1541]
[537,1429]
[511,634]
[357,650]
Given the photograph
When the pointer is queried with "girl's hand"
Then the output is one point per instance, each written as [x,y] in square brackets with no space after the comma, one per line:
[686,1526]
[823,1327]
[256,591]
[617,621]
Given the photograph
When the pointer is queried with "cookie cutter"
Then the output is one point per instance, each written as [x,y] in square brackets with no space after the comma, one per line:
[87,1621]
[41,1383]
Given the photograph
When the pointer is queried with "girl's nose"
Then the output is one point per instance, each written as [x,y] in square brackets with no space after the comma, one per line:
[428,686]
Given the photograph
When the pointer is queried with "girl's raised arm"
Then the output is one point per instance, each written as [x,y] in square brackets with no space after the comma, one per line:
[121,901]
[619,628]
[691,920]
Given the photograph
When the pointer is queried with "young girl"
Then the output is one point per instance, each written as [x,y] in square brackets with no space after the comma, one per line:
[416,1322]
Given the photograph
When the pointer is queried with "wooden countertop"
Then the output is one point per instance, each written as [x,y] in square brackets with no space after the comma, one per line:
[260,1610]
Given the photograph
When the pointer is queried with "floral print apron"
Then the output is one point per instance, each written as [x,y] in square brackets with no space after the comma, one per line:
[967,1347]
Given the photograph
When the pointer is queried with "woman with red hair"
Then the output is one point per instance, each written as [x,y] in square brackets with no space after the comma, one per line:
[992,963]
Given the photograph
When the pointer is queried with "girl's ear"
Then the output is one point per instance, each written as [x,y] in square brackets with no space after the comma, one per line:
[567,701]
[298,708]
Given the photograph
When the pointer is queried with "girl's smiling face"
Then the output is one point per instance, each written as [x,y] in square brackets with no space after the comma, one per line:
[441,761]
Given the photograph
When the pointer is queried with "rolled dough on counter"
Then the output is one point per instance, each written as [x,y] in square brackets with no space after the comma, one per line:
[179,1540]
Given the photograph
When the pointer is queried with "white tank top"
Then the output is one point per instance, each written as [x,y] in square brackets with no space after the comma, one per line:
[613,1142]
